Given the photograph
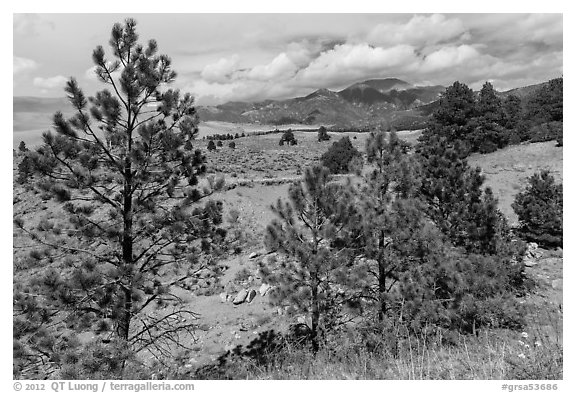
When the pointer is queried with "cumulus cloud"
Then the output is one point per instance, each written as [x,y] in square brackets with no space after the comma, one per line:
[449,57]
[419,31]
[281,67]
[57,81]
[348,62]
[222,70]
[22,64]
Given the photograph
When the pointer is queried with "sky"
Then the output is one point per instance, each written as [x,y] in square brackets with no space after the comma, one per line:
[252,57]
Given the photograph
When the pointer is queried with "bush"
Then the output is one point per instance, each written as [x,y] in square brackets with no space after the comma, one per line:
[232,145]
[323,134]
[339,156]
[289,138]
[211,145]
[539,209]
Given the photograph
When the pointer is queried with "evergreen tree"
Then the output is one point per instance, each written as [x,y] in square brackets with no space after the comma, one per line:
[390,217]
[457,203]
[339,156]
[305,231]
[456,106]
[489,105]
[539,208]
[512,107]
[288,137]
[22,147]
[323,134]
[125,171]
[547,103]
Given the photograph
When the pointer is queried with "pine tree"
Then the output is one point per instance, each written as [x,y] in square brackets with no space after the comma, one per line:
[389,217]
[339,156]
[126,174]
[22,147]
[305,231]
[539,208]
[457,202]
[323,134]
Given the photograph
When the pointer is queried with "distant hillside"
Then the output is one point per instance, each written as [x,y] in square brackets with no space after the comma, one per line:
[522,92]
[371,102]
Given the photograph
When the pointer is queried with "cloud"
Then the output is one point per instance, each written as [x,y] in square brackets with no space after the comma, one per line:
[30,25]
[222,70]
[22,64]
[51,82]
[419,31]
[352,61]
[450,57]
[90,73]
[281,67]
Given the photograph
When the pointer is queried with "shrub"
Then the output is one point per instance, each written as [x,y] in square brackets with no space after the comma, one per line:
[232,145]
[219,143]
[323,134]
[289,138]
[211,145]
[339,156]
[539,209]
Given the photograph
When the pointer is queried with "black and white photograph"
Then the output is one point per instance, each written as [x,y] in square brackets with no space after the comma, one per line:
[286,196]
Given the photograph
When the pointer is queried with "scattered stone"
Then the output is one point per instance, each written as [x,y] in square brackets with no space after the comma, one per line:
[237,337]
[253,255]
[264,288]
[251,296]
[557,284]
[223,297]
[240,297]
[529,263]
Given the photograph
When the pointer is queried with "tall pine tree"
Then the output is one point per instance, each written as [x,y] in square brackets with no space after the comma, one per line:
[127,176]
[307,232]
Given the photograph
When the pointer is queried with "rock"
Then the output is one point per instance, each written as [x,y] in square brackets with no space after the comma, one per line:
[253,255]
[251,296]
[529,262]
[223,297]
[557,284]
[264,288]
[240,297]
[280,311]
[301,319]
[250,278]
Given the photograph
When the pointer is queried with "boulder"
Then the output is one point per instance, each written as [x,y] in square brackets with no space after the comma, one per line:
[264,288]
[251,295]
[240,297]
[557,284]
[529,262]
[223,297]
[253,255]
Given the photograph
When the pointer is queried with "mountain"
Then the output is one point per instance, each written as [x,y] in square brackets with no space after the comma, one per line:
[361,104]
